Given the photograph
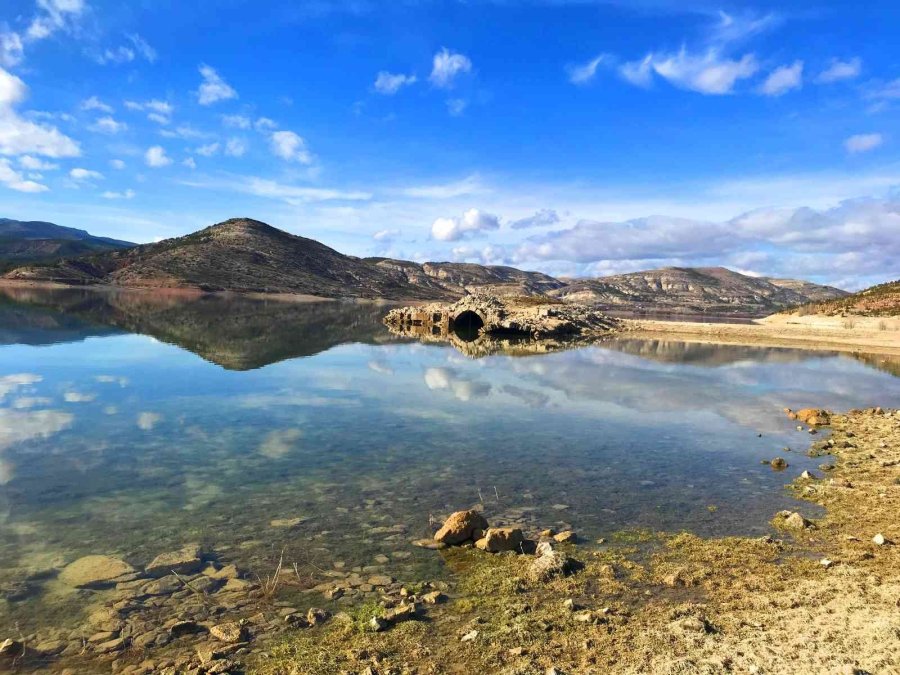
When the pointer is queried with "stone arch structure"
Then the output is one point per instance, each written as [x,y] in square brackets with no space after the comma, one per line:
[467,325]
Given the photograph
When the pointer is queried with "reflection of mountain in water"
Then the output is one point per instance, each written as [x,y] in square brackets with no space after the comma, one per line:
[237,333]
[37,326]
[672,351]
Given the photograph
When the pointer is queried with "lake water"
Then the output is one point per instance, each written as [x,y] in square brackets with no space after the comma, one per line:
[133,423]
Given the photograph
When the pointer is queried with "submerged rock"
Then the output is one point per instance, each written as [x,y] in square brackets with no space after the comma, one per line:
[461,527]
[95,571]
[10,648]
[186,560]
[779,464]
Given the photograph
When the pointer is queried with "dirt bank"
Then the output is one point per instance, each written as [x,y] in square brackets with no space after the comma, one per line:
[848,334]
[820,599]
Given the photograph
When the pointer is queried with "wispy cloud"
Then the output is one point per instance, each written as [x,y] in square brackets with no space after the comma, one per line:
[783,79]
[390,83]
[863,143]
[447,66]
[585,72]
[213,88]
[470,185]
[840,70]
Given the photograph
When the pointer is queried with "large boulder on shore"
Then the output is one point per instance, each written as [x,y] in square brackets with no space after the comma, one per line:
[95,571]
[461,527]
[499,539]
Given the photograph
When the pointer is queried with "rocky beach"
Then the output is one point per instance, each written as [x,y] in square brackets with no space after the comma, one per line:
[818,594]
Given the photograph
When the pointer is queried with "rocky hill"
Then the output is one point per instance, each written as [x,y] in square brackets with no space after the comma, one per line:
[240,255]
[692,290]
[880,300]
[29,242]
[246,255]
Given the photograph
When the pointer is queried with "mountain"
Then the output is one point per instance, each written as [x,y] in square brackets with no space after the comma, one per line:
[813,292]
[246,255]
[693,290]
[23,242]
[880,300]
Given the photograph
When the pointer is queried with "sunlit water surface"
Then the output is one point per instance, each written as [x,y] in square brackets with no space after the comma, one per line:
[214,418]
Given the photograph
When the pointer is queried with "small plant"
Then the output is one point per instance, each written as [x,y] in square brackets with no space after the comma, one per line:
[849,323]
[882,325]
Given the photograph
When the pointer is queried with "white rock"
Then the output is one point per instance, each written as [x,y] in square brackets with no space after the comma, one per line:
[826,563]
[468,637]
[879,540]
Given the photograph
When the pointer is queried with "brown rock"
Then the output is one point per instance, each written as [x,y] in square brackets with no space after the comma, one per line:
[779,464]
[460,527]
[186,560]
[499,539]
[567,537]
[10,648]
[95,571]
[227,632]
[813,416]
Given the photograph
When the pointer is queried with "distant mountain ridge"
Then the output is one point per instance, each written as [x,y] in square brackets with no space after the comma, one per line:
[246,255]
[36,241]
[714,290]
[879,300]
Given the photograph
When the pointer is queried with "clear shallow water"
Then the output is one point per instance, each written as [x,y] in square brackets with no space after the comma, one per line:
[133,423]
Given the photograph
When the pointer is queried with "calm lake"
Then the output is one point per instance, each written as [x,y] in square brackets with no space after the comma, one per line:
[131,424]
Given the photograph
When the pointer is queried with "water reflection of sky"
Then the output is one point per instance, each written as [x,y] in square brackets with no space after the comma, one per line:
[125,444]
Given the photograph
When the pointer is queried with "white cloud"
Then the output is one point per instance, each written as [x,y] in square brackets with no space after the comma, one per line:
[213,88]
[783,79]
[235,147]
[584,73]
[289,146]
[237,121]
[735,28]
[78,397]
[708,73]
[863,143]
[207,150]
[470,185]
[157,111]
[19,136]
[159,119]
[108,125]
[543,218]
[14,180]
[137,47]
[386,235]
[456,106]
[840,70]
[117,164]
[471,223]
[127,194]
[446,66]
[12,49]
[390,83]
[190,163]
[156,157]
[265,124]
[80,174]
[34,164]
[291,194]
[94,103]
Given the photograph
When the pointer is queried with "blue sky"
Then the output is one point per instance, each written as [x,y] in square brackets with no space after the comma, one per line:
[572,136]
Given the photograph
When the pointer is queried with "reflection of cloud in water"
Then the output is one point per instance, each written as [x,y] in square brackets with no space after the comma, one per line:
[535,399]
[111,410]
[200,492]
[279,443]
[293,399]
[17,426]
[112,379]
[380,367]
[463,388]
[9,383]
[78,397]
[24,402]
[147,420]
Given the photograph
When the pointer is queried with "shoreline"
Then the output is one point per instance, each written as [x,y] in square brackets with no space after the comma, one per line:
[819,596]
[847,334]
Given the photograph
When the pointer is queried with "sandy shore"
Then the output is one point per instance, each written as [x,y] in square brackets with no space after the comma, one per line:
[848,334]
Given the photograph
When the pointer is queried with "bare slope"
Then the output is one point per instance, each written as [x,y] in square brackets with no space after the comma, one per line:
[713,290]
[880,300]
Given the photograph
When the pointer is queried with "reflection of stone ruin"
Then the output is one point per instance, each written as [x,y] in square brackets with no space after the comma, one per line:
[479,325]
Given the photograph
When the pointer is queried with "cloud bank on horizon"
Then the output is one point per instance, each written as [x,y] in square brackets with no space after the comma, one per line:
[575,137]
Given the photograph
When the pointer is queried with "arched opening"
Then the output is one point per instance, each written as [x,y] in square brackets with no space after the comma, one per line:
[466,325]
